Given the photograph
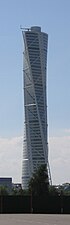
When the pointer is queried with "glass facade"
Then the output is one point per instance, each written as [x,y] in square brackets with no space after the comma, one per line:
[35,148]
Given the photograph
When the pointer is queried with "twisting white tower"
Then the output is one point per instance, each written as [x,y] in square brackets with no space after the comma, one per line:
[35,148]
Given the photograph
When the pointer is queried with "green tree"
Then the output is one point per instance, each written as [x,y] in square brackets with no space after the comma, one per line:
[53,191]
[19,191]
[39,183]
[3,190]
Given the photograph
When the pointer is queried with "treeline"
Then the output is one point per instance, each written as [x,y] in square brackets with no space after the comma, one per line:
[38,186]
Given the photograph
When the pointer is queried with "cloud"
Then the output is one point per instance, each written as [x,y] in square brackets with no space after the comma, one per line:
[11,158]
[11,150]
[67,130]
[59,157]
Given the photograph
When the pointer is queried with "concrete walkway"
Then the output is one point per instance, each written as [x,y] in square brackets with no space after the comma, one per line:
[34,219]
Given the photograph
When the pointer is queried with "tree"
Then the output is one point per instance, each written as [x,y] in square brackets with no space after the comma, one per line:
[19,191]
[39,183]
[3,190]
[53,191]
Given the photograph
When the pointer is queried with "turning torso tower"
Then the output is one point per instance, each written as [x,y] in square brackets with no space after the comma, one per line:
[35,146]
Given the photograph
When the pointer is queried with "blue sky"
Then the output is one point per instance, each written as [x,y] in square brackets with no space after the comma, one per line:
[54,18]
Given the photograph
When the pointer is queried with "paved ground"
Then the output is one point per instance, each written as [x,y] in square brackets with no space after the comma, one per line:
[34,219]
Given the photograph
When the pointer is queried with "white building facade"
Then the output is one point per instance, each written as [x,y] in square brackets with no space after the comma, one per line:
[35,146]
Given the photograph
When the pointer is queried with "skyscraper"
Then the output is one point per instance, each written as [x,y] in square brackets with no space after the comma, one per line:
[35,147]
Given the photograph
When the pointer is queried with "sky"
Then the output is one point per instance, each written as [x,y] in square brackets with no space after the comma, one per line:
[54,18]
